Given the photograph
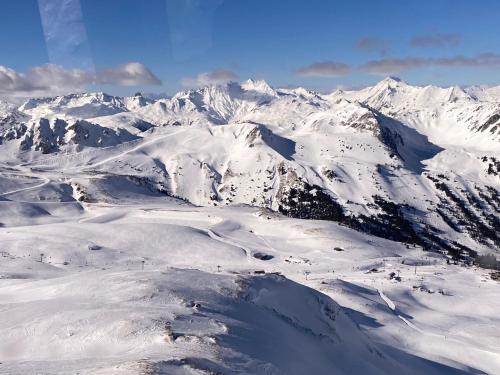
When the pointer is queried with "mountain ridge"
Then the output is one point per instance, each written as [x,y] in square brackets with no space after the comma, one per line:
[414,164]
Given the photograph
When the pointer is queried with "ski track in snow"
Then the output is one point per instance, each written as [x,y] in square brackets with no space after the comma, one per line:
[45,182]
[392,306]
[223,239]
[387,300]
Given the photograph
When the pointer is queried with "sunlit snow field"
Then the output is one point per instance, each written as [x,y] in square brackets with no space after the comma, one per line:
[152,285]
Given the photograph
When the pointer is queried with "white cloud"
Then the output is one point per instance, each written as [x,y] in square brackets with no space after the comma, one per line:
[10,80]
[397,65]
[129,74]
[50,79]
[42,80]
[54,77]
[215,77]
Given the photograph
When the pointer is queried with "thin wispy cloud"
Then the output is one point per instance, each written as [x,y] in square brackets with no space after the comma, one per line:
[324,69]
[397,65]
[393,65]
[215,77]
[436,40]
[372,44]
[51,79]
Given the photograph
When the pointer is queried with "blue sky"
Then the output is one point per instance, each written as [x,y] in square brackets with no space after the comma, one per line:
[316,44]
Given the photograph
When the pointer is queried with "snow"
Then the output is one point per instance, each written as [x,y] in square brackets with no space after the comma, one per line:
[105,310]
[448,116]
[144,236]
[6,107]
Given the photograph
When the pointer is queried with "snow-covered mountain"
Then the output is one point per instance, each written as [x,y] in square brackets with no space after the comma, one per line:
[484,93]
[165,236]
[415,164]
[82,105]
[6,107]
[448,116]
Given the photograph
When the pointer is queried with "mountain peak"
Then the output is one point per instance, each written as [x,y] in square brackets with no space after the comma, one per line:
[6,106]
[258,85]
[393,78]
[392,82]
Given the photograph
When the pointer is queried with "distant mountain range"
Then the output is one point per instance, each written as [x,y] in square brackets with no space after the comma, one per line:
[418,165]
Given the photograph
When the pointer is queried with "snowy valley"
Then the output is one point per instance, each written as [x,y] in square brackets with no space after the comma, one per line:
[241,228]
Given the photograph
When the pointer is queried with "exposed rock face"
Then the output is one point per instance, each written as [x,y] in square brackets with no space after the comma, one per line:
[48,136]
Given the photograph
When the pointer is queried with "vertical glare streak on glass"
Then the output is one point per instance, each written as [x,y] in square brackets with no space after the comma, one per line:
[191,26]
[65,33]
